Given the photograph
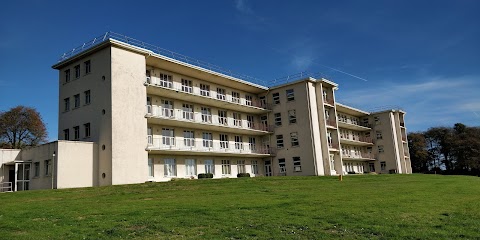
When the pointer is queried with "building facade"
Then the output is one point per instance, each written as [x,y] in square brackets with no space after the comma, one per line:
[152,116]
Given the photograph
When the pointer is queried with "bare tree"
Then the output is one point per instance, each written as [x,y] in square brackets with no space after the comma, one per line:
[21,127]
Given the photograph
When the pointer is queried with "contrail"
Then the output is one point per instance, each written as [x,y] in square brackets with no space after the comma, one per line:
[334,69]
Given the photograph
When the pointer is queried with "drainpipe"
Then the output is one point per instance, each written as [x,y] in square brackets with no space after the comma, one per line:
[53,168]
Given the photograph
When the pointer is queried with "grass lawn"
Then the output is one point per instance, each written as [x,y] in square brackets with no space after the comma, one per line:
[360,207]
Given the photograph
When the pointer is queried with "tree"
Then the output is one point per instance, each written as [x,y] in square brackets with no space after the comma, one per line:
[21,127]
[420,158]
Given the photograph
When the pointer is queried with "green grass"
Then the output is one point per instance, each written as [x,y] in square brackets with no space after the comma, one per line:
[360,207]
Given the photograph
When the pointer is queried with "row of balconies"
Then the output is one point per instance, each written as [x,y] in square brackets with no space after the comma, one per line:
[175,86]
[358,139]
[196,117]
[361,155]
[205,146]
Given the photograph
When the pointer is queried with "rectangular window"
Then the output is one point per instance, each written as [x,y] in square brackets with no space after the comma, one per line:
[241,166]
[379,135]
[66,134]
[226,168]
[207,140]
[209,167]
[188,138]
[237,119]
[290,95]
[281,165]
[254,166]
[88,67]
[77,71]
[86,127]
[263,102]
[380,148]
[238,143]
[170,168]
[292,116]
[297,164]
[167,108]
[77,100]
[371,167]
[190,167]
[221,94]
[205,90]
[276,98]
[383,165]
[187,111]
[294,139]
[48,167]
[206,115]
[36,169]
[166,80]
[66,102]
[76,132]
[187,86]
[150,168]
[168,138]
[278,119]
[248,100]
[252,143]
[222,117]
[67,75]
[223,141]
[250,121]
[87,97]
[235,97]
[279,141]
[377,120]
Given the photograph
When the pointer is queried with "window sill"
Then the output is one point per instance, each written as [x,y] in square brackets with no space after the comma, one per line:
[296,146]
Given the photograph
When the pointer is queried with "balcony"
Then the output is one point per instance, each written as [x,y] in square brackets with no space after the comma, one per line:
[191,94]
[402,124]
[331,123]
[182,146]
[333,146]
[349,124]
[328,101]
[187,119]
[357,141]
[404,138]
[361,156]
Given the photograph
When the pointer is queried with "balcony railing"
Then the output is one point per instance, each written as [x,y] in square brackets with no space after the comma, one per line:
[199,145]
[6,187]
[332,123]
[197,117]
[175,86]
[356,123]
[357,139]
[402,124]
[328,101]
[333,145]
[404,138]
[362,155]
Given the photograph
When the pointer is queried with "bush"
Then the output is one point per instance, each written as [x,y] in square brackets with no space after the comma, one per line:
[243,175]
[205,175]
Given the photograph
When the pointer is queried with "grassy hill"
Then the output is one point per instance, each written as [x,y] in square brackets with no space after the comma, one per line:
[360,207]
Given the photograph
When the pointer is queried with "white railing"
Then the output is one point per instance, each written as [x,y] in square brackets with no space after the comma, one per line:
[359,155]
[357,139]
[6,187]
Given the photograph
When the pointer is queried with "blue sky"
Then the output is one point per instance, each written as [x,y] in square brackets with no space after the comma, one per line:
[423,56]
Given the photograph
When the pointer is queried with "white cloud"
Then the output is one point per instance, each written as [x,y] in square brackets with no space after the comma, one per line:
[243,7]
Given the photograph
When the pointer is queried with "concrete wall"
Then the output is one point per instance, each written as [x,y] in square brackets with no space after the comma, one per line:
[7,156]
[76,164]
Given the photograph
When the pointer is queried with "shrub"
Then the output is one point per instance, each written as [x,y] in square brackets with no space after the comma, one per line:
[205,175]
[243,175]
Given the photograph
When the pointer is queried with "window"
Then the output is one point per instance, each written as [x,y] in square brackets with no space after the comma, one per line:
[292,116]
[190,167]
[365,122]
[379,135]
[281,165]
[170,168]
[150,136]
[251,143]
[241,166]
[221,94]
[290,95]
[48,167]
[188,138]
[380,148]
[278,119]
[226,168]
[66,102]
[167,108]
[248,100]
[168,138]
[324,95]
[332,162]
[235,97]
[377,120]
[279,141]
[87,97]
[206,115]
[254,166]
[66,134]
[263,102]
[88,66]
[36,169]
[187,111]
[67,75]
[209,167]
[276,98]
[222,117]
[207,140]
[166,80]
[294,139]
[238,143]
[77,100]
[76,132]
[237,119]
[297,165]
[86,127]
[223,141]
[205,90]
[150,168]
[264,123]
[187,86]
[371,167]
[77,71]
[383,165]
[250,121]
